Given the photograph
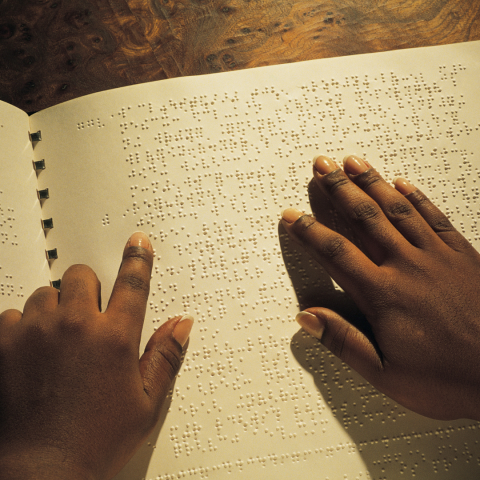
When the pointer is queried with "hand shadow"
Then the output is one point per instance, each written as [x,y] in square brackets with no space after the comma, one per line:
[312,284]
[382,430]
[138,465]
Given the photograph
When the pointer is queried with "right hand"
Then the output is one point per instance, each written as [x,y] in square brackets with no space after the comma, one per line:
[417,282]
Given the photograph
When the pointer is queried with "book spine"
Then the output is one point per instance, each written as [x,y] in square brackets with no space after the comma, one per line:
[43,195]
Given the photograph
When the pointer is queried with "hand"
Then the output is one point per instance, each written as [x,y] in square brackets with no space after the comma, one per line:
[417,282]
[75,400]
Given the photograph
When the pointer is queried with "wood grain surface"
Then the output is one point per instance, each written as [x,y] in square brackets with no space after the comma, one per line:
[55,50]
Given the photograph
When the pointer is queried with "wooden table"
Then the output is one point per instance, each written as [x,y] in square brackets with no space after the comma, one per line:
[55,50]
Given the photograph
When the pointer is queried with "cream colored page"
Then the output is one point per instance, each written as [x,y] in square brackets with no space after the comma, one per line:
[205,165]
[23,265]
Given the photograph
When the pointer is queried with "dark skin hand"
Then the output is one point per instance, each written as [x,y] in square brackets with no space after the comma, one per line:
[75,400]
[417,282]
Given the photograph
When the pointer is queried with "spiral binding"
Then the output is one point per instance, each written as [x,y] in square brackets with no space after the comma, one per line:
[39,165]
[47,223]
[43,194]
[36,136]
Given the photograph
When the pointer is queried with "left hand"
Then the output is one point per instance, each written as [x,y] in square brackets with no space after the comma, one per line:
[75,400]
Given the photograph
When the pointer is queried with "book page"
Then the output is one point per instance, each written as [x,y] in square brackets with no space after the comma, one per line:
[23,265]
[205,165]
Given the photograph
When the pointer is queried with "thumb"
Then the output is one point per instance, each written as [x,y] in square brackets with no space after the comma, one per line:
[161,360]
[343,340]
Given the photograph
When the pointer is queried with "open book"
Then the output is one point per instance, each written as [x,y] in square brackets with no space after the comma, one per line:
[205,165]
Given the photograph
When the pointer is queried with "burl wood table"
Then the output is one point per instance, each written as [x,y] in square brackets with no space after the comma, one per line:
[56,50]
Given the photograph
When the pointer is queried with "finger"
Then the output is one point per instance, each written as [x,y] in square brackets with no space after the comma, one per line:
[8,321]
[344,340]
[132,286]
[378,235]
[343,261]
[42,300]
[438,221]
[162,358]
[397,209]
[8,318]
[80,288]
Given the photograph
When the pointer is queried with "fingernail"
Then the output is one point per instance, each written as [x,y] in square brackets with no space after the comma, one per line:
[403,186]
[311,324]
[324,165]
[354,165]
[182,329]
[291,215]
[139,239]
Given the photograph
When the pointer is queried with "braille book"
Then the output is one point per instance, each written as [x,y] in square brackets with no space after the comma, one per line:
[204,165]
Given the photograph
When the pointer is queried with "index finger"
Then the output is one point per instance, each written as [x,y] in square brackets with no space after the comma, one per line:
[342,260]
[132,286]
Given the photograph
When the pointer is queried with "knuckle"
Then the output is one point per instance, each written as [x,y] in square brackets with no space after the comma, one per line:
[334,247]
[442,225]
[40,331]
[419,199]
[399,210]
[461,244]
[168,359]
[72,323]
[11,313]
[421,202]
[365,211]
[368,179]
[42,293]
[40,297]
[335,181]
[81,279]
[134,283]
[138,254]
[337,343]
[304,223]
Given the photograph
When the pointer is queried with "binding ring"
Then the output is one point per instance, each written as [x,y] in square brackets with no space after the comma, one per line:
[39,165]
[52,254]
[36,136]
[43,194]
[47,224]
